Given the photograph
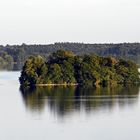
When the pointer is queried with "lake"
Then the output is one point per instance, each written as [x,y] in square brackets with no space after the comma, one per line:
[67,113]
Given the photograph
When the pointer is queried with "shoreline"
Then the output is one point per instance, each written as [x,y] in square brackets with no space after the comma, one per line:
[46,85]
[78,84]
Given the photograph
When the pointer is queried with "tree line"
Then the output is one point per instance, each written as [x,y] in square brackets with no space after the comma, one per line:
[19,53]
[6,61]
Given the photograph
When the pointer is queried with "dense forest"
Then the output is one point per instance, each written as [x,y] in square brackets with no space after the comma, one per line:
[66,68]
[19,53]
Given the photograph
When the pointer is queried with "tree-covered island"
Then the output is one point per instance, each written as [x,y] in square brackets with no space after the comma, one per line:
[66,68]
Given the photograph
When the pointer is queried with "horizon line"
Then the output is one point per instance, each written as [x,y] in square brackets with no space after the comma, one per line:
[69,43]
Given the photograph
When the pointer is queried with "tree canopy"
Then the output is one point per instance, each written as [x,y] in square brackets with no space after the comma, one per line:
[64,67]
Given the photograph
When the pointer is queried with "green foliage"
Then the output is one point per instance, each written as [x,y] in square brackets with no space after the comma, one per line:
[6,61]
[63,67]
[19,53]
[33,71]
[54,74]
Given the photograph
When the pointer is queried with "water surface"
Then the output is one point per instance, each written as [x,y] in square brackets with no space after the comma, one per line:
[67,112]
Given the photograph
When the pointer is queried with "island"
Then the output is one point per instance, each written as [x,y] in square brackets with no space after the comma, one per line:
[65,68]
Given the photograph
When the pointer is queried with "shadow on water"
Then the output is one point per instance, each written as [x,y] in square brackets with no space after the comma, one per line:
[64,100]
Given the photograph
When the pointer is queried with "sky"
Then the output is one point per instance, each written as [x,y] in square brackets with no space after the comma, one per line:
[85,21]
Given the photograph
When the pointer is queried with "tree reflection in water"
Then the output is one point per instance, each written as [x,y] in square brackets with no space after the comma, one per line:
[64,100]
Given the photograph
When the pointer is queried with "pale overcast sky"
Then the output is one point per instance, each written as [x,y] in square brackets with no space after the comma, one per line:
[49,21]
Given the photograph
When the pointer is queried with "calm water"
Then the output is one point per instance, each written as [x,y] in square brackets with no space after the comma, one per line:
[67,113]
